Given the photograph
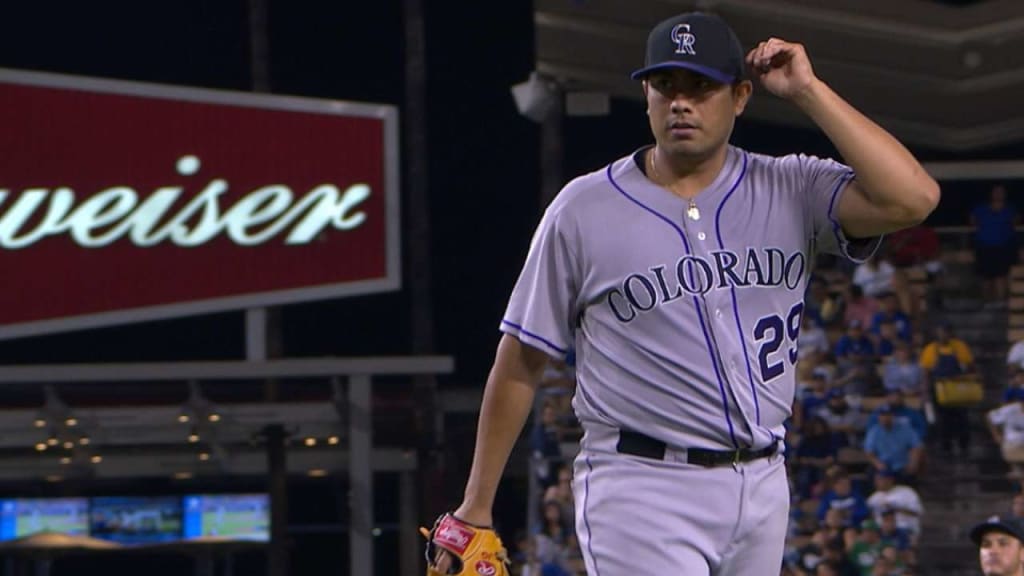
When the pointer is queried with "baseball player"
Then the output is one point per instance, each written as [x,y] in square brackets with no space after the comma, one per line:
[676,277]
[1000,545]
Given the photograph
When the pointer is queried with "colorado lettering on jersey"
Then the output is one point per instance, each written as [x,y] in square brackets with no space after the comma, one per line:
[695,275]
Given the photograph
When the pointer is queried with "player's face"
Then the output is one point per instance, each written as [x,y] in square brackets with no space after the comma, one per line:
[692,115]
[1000,555]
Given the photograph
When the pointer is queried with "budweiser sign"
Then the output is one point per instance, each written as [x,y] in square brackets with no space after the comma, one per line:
[122,202]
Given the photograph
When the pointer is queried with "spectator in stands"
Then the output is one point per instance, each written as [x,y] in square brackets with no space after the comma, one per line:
[917,246]
[891,533]
[892,312]
[948,357]
[842,497]
[896,402]
[1017,507]
[995,244]
[561,493]
[845,421]
[546,443]
[816,453]
[1006,424]
[555,526]
[866,548]
[810,399]
[1014,386]
[885,340]
[903,500]
[874,276]
[855,357]
[893,446]
[902,373]
[813,345]
[822,306]
[1015,358]
[859,307]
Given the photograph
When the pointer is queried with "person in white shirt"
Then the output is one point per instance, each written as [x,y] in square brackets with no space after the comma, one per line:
[903,500]
[813,341]
[1006,424]
[874,277]
[1015,358]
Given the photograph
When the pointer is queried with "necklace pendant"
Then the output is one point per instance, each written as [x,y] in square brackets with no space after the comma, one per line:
[692,212]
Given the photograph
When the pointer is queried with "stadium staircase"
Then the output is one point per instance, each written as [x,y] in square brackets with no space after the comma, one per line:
[962,489]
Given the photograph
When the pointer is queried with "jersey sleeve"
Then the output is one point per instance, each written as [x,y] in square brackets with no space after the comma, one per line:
[825,182]
[541,309]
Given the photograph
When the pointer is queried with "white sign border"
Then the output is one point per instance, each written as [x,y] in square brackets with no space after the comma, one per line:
[391,281]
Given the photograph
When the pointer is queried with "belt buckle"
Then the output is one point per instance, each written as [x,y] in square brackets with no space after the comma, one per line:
[736,459]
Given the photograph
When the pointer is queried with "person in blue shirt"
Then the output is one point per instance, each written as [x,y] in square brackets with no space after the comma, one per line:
[891,312]
[854,343]
[893,445]
[995,244]
[842,495]
[901,412]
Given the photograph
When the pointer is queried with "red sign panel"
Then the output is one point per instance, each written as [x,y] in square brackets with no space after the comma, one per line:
[122,202]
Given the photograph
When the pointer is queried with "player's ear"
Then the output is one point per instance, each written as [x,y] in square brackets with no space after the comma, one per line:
[741,92]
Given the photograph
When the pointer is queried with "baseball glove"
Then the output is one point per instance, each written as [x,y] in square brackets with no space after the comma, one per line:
[474,550]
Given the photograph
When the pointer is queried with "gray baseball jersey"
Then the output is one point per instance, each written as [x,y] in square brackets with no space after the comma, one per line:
[683,322]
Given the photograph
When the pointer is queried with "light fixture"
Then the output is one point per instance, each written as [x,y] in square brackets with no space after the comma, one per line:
[54,478]
[69,445]
[52,441]
[184,418]
[214,417]
[182,475]
[84,440]
[65,460]
[332,440]
[204,456]
[41,446]
[310,441]
[317,473]
[96,459]
[193,438]
[71,422]
[39,423]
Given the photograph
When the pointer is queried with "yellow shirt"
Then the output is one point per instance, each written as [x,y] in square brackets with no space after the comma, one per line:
[955,347]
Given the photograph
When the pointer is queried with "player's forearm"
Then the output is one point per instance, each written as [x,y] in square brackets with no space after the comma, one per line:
[888,173]
[507,402]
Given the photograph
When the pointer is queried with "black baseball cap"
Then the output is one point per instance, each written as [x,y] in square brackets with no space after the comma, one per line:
[696,41]
[1010,526]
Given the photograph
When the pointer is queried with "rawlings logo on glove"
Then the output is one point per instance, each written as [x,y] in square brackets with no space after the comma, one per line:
[472,550]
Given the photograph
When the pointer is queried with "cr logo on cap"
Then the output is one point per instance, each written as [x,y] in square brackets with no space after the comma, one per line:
[684,39]
[485,568]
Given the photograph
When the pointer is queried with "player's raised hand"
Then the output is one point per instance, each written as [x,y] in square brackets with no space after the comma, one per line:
[783,68]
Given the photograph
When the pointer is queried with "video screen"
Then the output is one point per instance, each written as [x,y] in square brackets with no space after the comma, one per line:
[136,520]
[238,516]
[25,517]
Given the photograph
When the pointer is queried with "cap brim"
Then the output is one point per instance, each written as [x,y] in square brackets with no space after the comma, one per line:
[716,75]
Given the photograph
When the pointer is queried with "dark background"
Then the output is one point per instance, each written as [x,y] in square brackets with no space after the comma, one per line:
[482,179]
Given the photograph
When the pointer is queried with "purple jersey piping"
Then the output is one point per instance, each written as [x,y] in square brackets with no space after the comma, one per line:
[536,337]
[696,302]
[586,519]
[732,290]
[831,205]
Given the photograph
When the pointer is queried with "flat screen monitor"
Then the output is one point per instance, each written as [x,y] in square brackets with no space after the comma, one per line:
[136,520]
[27,516]
[237,516]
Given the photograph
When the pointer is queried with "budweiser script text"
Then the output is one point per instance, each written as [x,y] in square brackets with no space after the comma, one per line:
[117,212]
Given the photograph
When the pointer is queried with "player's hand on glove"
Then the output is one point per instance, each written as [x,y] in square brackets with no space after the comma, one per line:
[783,68]
[457,547]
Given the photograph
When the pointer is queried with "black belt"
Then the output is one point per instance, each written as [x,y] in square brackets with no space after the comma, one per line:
[639,444]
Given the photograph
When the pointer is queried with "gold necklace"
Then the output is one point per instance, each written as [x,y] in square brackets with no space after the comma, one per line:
[692,212]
